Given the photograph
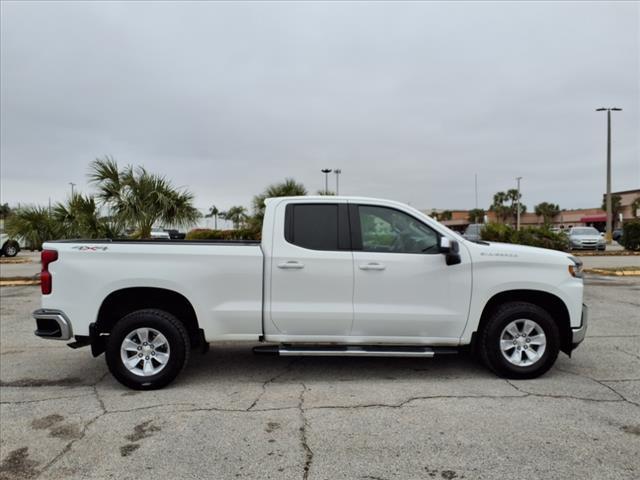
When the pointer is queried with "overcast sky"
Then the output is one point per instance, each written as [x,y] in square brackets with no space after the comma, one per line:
[410,100]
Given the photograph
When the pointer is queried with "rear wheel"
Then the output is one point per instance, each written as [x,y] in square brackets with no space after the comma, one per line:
[147,349]
[520,340]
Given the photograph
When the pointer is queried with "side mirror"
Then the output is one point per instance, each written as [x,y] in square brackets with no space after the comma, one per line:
[445,245]
[451,250]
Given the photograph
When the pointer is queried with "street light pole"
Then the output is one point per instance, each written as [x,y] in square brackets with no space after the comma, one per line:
[337,171]
[608,198]
[326,172]
[72,185]
[518,205]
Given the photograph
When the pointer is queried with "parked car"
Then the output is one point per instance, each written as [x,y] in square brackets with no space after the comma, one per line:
[331,276]
[157,233]
[8,246]
[586,238]
[473,232]
[617,234]
[175,234]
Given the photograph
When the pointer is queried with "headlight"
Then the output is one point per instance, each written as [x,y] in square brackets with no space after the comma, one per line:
[575,270]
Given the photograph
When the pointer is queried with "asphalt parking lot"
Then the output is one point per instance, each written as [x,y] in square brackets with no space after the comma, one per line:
[235,415]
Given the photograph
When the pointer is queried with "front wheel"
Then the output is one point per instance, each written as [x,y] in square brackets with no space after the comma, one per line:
[520,340]
[10,248]
[147,349]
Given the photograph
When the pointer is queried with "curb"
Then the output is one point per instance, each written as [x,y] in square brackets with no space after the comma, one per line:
[19,281]
[613,272]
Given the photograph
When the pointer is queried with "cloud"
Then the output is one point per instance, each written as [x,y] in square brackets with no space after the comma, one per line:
[409,99]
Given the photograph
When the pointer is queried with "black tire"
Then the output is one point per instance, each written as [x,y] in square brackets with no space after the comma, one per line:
[490,336]
[165,323]
[10,248]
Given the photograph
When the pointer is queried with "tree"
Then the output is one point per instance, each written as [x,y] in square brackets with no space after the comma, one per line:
[213,212]
[506,211]
[442,216]
[476,215]
[34,225]
[288,188]
[5,211]
[616,207]
[547,211]
[635,208]
[140,199]
[237,215]
[80,218]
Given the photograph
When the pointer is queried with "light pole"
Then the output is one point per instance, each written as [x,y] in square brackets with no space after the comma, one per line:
[72,185]
[337,171]
[476,215]
[326,172]
[608,199]
[518,205]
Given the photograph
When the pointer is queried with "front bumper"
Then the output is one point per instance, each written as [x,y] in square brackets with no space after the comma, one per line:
[52,324]
[580,332]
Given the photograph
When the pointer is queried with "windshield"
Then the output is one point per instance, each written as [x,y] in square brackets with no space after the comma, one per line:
[585,231]
[473,229]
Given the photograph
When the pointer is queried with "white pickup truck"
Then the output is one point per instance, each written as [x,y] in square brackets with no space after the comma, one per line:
[331,276]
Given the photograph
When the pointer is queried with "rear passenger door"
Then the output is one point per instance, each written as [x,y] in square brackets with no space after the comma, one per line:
[312,272]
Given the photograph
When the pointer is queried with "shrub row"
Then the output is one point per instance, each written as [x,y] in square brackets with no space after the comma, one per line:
[532,236]
[209,234]
[631,235]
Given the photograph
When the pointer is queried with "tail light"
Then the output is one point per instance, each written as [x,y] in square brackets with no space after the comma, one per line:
[47,257]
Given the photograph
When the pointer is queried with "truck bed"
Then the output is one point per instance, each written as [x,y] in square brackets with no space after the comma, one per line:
[222,280]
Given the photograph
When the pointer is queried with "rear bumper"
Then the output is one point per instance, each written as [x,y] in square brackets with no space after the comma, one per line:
[580,332]
[52,324]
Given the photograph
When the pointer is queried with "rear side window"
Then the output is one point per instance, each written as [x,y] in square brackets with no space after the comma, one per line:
[317,226]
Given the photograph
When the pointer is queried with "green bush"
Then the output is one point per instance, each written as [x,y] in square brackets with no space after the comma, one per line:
[631,235]
[497,232]
[541,237]
[208,234]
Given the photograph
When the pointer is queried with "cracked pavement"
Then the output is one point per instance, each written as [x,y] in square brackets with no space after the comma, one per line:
[232,414]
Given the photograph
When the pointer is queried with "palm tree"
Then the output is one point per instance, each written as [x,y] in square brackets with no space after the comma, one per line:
[34,225]
[476,215]
[213,212]
[504,212]
[5,210]
[288,188]
[616,207]
[547,211]
[80,218]
[141,199]
[237,215]
[635,208]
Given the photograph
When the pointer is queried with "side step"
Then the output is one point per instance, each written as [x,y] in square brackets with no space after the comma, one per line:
[351,351]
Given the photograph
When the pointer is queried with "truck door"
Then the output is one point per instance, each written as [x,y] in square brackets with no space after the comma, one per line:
[403,286]
[311,272]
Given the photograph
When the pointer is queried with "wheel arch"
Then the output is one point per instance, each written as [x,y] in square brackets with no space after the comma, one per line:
[553,304]
[126,300]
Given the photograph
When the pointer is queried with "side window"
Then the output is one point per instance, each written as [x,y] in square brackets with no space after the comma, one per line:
[391,231]
[313,226]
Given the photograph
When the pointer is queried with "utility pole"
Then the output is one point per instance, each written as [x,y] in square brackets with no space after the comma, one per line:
[476,217]
[326,172]
[72,185]
[518,205]
[337,171]
[608,199]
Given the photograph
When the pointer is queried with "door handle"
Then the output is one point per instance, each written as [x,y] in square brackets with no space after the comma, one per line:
[372,266]
[291,264]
